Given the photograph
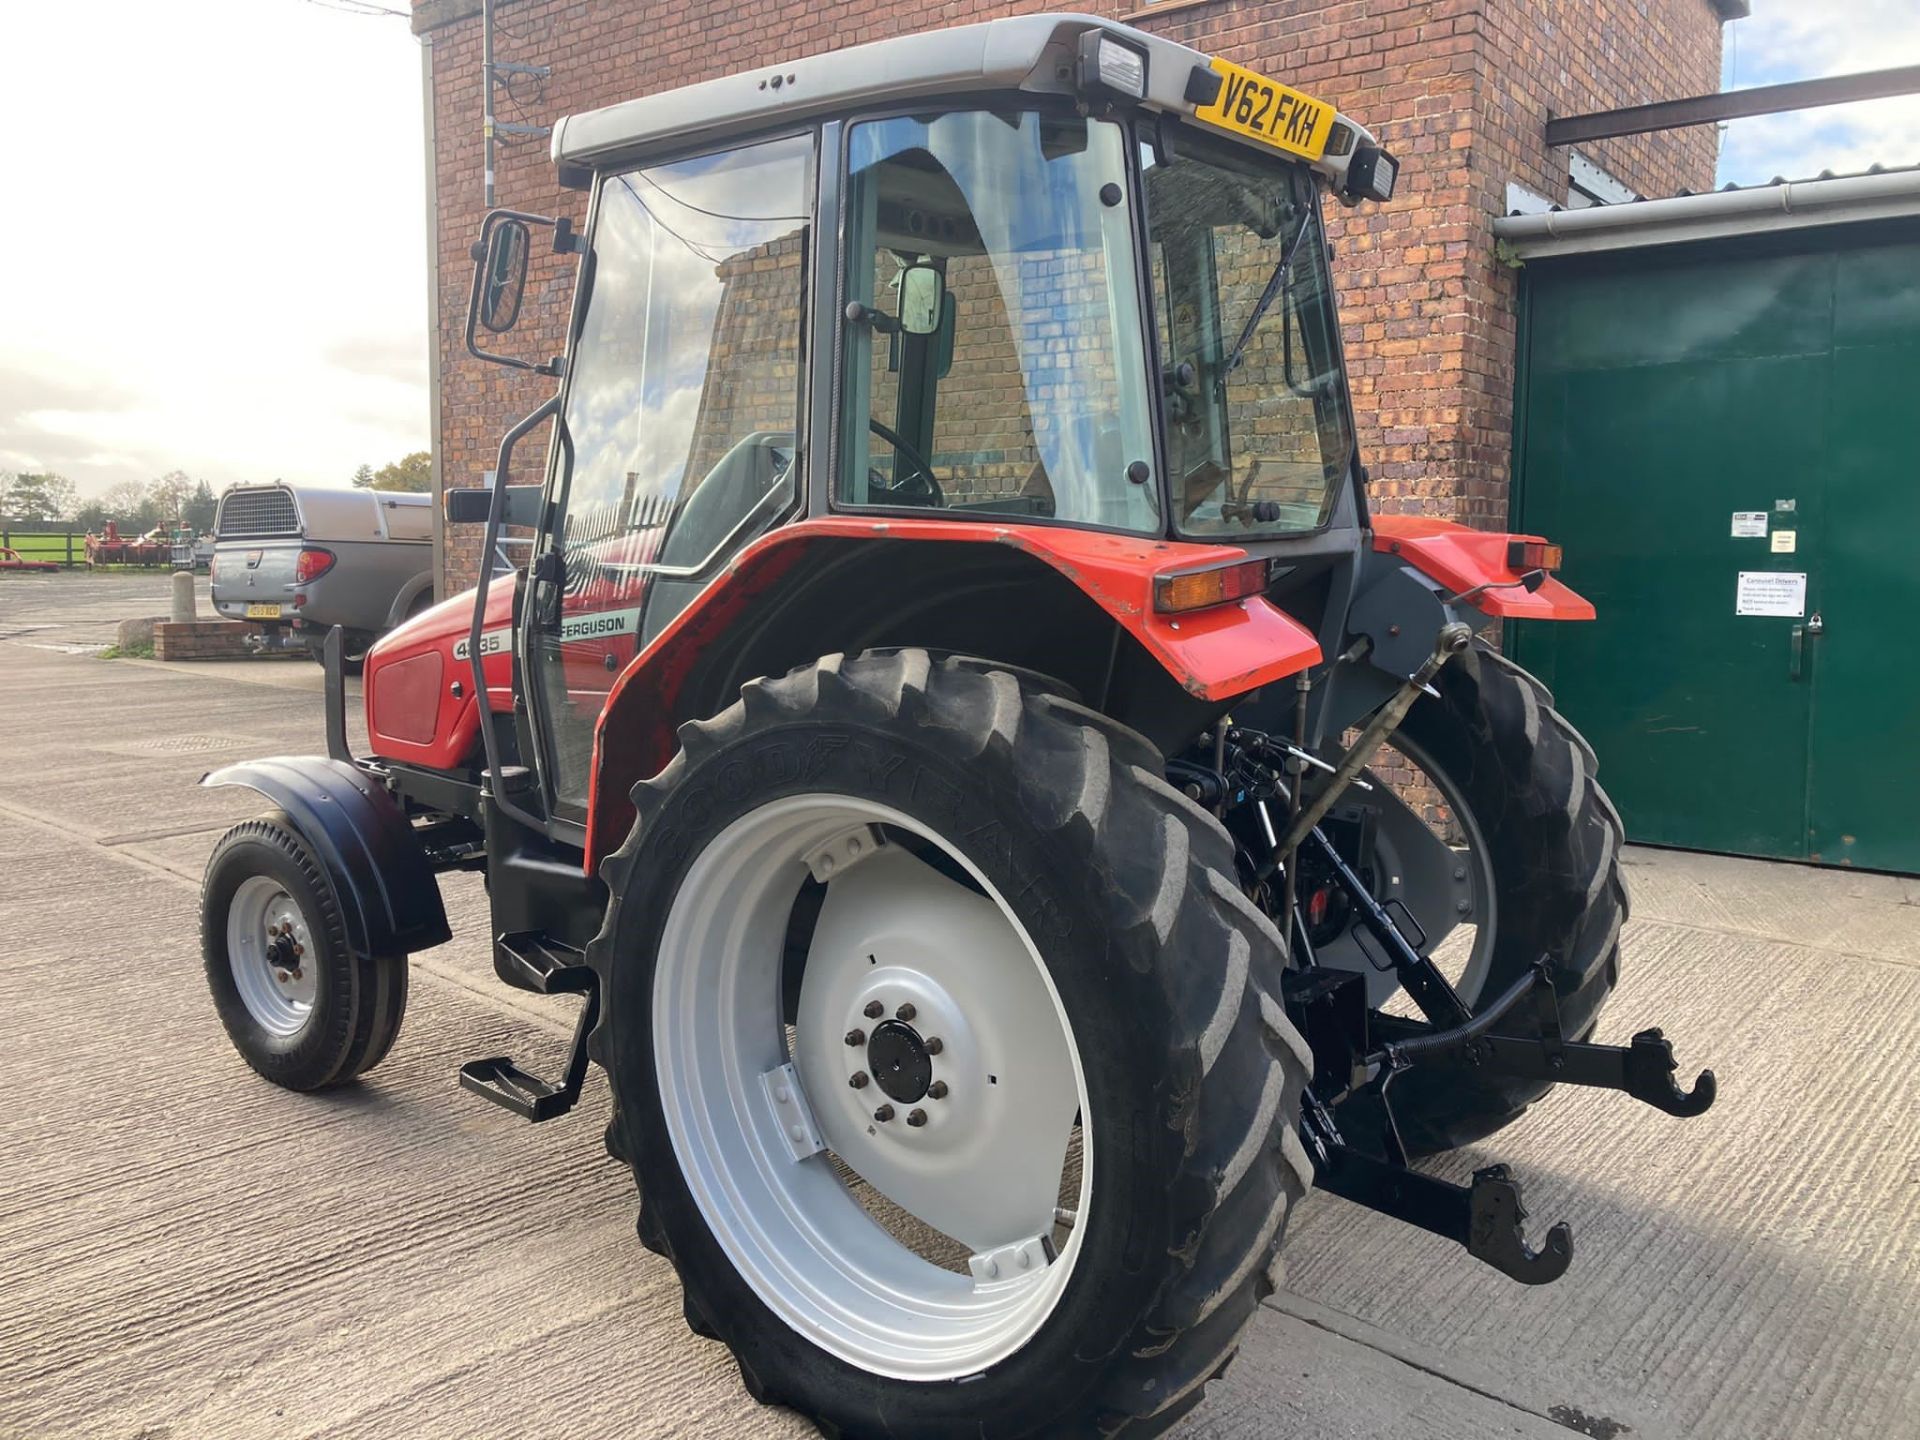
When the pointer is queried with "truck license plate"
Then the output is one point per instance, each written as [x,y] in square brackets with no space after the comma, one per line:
[1251,104]
[263,612]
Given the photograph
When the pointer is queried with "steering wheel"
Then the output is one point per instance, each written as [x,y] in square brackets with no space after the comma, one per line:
[919,486]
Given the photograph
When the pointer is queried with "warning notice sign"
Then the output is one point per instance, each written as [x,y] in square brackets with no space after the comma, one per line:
[1771,592]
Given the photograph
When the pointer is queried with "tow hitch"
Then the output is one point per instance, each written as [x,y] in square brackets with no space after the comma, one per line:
[1486,1217]
[1360,1054]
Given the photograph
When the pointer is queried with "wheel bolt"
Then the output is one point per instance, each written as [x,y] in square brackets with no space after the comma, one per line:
[298,951]
[282,976]
[875,1010]
[916,1118]
[856,1037]
[933,1044]
[883,1114]
[858,1080]
[905,1012]
[938,1090]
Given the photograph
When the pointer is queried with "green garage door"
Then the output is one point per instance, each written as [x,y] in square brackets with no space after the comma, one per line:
[1726,439]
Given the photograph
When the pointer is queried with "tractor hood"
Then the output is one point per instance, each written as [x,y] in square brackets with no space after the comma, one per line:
[1055,54]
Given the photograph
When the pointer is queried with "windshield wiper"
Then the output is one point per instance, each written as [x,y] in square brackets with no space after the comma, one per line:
[1276,285]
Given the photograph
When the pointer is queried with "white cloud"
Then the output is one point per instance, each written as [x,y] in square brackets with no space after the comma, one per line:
[1791,40]
[215,246]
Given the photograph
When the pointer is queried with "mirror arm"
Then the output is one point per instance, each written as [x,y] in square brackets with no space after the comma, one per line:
[565,239]
[858,314]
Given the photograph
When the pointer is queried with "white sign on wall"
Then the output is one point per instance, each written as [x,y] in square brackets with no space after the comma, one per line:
[1749,524]
[1771,592]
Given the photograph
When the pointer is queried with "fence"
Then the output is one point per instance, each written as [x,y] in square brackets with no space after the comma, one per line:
[44,540]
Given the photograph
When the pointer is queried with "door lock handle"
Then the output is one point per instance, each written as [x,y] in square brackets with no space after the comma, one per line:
[1814,625]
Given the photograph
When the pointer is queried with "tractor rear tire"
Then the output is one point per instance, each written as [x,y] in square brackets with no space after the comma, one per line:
[1554,841]
[307,1020]
[1166,978]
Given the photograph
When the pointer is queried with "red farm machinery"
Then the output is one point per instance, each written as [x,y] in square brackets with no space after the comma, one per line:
[1011,816]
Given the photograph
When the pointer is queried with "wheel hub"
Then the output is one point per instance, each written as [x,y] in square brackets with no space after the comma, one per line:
[899,1061]
[269,949]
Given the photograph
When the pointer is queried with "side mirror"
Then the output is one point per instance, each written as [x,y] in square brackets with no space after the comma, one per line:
[469,504]
[923,294]
[504,275]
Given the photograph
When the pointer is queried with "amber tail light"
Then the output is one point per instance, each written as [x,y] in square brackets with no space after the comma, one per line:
[1525,555]
[1215,585]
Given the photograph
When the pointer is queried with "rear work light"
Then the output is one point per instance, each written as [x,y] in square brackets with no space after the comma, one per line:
[1372,174]
[1526,555]
[1216,585]
[312,564]
[1112,65]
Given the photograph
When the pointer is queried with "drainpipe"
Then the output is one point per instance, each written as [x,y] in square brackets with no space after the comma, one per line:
[486,87]
[434,437]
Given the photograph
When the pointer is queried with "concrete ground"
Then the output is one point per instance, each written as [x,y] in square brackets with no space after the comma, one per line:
[188,1251]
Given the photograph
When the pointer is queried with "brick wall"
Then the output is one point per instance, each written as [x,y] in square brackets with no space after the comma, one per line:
[1459,89]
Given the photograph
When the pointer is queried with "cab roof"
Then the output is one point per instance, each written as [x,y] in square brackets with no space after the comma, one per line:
[1032,53]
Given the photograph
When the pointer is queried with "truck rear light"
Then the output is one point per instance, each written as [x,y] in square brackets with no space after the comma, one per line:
[299,601]
[1215,585]
[312,564]
[1526,555]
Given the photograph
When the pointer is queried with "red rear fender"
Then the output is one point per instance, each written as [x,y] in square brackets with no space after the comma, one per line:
[1464,559]
[1213,654]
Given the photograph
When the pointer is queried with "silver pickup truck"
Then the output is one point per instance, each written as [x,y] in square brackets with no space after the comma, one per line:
[297,560]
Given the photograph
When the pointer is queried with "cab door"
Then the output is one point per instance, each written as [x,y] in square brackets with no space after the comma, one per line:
[680,429]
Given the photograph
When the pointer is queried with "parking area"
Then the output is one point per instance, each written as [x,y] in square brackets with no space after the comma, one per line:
[192,1252]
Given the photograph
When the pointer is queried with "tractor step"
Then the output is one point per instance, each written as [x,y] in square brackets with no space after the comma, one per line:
[507,1085]
[532,961]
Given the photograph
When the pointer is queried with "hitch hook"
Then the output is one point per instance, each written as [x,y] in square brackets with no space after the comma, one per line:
[1494,1234]
[1648,1074]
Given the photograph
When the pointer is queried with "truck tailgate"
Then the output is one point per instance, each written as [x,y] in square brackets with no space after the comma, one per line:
[253,579]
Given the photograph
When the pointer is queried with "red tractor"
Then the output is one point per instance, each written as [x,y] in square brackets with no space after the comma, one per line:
[1012,818]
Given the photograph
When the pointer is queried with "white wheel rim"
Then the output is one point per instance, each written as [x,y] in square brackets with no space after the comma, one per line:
[738,1106]
[270,950]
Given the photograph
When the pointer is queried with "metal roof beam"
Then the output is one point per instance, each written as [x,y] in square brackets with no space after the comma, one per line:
[1734,104]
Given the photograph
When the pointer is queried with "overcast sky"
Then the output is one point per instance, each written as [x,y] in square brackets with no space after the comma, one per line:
[213,235]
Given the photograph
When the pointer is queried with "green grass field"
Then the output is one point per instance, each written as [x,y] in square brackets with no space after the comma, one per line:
[47,547]
[54,547]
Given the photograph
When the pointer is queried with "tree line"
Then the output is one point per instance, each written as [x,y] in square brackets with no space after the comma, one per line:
[137,506]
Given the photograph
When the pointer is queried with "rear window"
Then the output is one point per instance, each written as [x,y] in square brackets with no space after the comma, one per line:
[257,512]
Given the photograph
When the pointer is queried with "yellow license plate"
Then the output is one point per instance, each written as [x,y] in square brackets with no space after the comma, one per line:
[1251,104]
[263,612]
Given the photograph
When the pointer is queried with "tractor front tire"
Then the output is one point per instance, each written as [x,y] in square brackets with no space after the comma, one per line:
[1554,847]
[301,1007]
[1166,979]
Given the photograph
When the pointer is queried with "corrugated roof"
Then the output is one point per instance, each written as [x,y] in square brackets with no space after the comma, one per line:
[1875,169]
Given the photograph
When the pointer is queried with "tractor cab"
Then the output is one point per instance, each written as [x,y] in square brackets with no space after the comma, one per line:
[1073,276]
[1010,817]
